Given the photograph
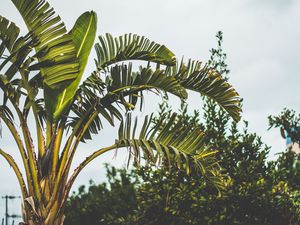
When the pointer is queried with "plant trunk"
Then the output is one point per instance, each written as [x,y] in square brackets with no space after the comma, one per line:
[56,222]
[53,221]
[34,216]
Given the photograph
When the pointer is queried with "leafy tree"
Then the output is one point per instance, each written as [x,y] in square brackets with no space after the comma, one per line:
[288,163]
[289,124]
[257,192]
[41,78]
[106,203]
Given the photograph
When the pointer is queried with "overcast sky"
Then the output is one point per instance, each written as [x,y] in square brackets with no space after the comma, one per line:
[261,39]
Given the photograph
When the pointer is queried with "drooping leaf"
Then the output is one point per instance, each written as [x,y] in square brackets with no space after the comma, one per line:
[160,143]
[208,82]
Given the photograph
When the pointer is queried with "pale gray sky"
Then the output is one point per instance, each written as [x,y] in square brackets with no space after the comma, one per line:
[261,39]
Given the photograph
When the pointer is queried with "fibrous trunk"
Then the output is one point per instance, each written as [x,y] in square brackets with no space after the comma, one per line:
[34,215]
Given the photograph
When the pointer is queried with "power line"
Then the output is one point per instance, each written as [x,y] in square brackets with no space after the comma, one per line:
[7,216]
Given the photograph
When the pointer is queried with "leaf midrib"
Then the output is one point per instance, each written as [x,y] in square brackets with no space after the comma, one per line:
[78,53]
[85,36]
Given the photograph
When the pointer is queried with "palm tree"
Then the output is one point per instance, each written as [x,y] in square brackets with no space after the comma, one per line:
[43,91]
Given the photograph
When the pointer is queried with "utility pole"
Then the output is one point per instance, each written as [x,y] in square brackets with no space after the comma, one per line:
[10,197]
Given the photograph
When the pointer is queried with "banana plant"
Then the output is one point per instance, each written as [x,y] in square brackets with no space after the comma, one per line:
[49,108]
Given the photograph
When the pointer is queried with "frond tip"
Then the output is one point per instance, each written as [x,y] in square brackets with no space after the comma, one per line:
[208,82]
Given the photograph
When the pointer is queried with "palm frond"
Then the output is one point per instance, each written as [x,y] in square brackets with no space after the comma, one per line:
[93,86]
[208,82]
[9,33]
[123,87]
[87,101]
[55,51]
[17,47]
[123,79]
[126,87]
[10,89]
[111,50]
[83,113]
[162,144]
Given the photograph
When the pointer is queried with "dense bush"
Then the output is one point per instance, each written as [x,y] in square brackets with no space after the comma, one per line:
[171,197]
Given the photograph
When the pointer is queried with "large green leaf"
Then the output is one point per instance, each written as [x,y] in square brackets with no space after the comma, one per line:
[55,51]
[83,34]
